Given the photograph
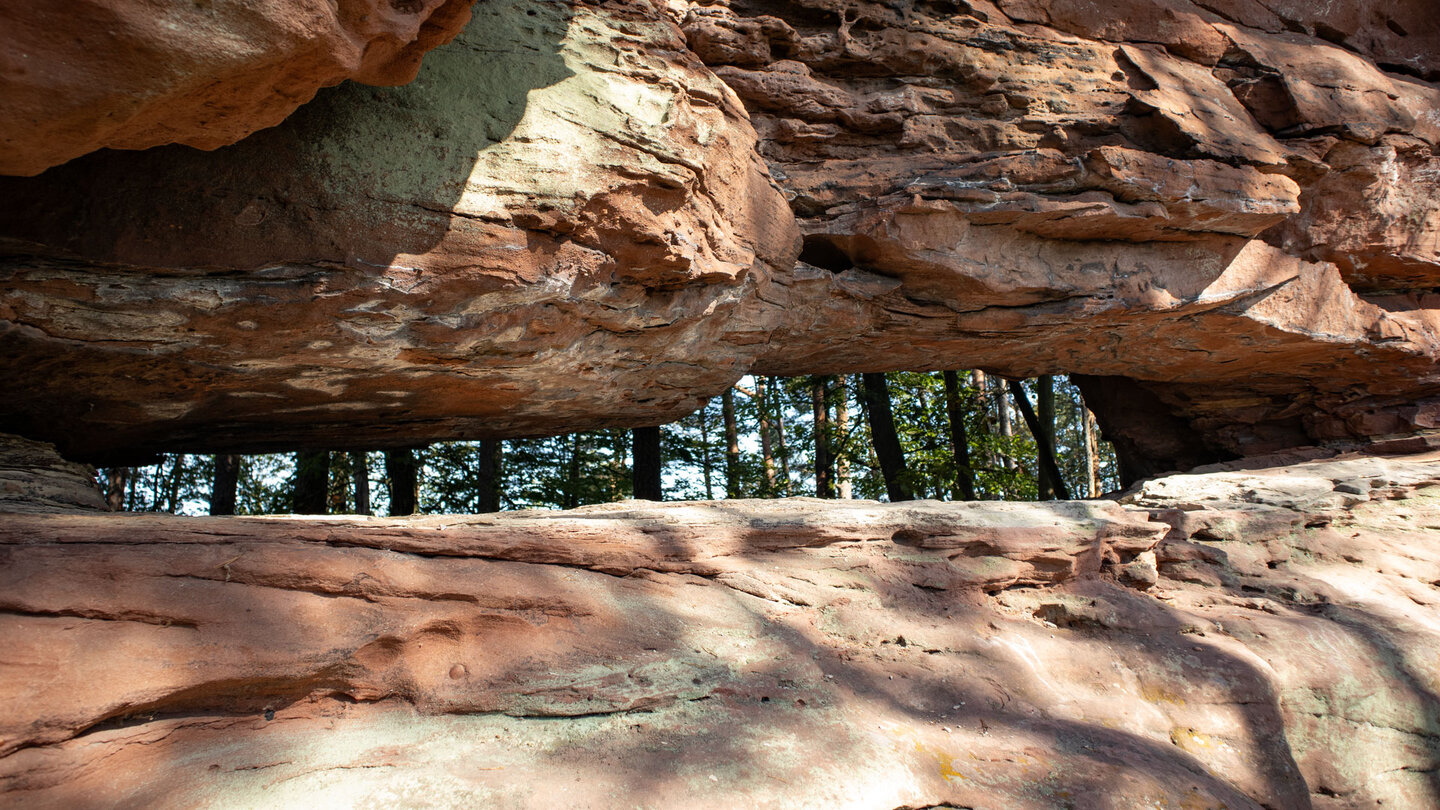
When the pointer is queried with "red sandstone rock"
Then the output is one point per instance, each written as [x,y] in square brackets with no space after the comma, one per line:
[563,225]
[122,74]
[804,653]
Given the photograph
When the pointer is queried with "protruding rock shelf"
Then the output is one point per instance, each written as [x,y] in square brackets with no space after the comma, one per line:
[577,217]
[128,74]
[1241,638]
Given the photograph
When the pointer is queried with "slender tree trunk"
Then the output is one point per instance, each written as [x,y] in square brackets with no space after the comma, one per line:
[959,439]
[619,468]
[572,475]
[339,496]
[491,460]
[882,434]
[224,484]
[1045,412]
[1007,428]
[312,476]
[404,474]
[172,487]
[647,466]
[1092,453]
[777,393]
[115,488]
[130,495]
[982,407]
[767,450]
[842,429]
[820,409]
[360,475]
[1047,456]
[705,465]
[732,444]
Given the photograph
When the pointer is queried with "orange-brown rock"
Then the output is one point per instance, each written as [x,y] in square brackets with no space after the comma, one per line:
[1225,211]
[1239,637]
[996,184]
[550,227]
[124,74]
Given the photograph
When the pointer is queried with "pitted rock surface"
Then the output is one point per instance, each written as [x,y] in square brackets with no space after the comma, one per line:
[1239,638]
[1222,217]
[125,74]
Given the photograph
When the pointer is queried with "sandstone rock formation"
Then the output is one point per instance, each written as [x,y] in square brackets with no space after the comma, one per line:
[1238,638]
[123,74]
[1225,211]
[563,195]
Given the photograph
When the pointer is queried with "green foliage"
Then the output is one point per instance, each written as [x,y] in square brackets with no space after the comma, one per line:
[594,467]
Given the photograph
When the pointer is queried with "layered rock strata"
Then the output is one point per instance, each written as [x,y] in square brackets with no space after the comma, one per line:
[1238,638]
[125,74]
[1221,204]
[552,226]
[1225,211]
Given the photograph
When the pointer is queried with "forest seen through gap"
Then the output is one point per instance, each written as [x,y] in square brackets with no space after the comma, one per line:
[949,436]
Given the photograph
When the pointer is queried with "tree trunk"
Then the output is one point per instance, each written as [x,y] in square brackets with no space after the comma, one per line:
[767,450]
[224,484]
[572,474]
[959,439]
[115,488]
[882,434]
[820,408]
[987,423]
[732,444]
[1092,460]
[1007,429]
[360,474]
[1047,457]
[1045,407]
[647,466]
[312,477]
[842,428]
[172,487]
[492,453]
[780,448]
[705,466]
[339,496]
[404,474]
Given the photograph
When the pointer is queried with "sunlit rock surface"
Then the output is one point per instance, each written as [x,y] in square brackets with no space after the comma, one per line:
[1238,638]
[1221,201]
[551,226]
[1224,216]
[125,74]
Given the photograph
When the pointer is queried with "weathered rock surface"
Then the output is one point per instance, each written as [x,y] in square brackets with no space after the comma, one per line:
[125,74]
[1180,194]
[34,479]
[552,226]
[1238,638]
[1225,210]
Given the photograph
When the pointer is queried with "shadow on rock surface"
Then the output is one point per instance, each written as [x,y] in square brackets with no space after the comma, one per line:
[792,654]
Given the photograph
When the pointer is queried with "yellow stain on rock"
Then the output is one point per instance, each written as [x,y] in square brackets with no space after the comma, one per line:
[1190,740]
[944,759]
[1159,694]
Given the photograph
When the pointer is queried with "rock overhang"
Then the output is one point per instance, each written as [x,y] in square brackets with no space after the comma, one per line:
[577,217]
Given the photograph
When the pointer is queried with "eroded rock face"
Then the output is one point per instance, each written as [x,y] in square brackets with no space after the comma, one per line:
[124,74]
[552,226]
[1228,211]
[1239,637]
[1181,194]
